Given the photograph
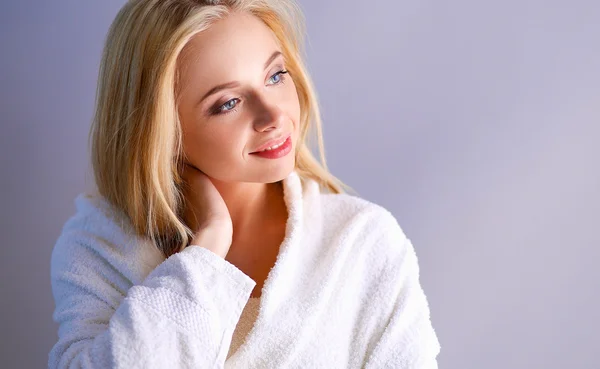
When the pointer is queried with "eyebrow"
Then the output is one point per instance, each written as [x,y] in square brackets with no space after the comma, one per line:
[235,84]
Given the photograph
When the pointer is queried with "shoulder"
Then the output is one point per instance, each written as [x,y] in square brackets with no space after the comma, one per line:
[98,237]
[376,240]
[364,216]
[96,216]
[368,239]
[354,223]
[94,223]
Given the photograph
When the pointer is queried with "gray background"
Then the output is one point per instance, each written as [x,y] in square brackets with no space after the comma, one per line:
[475,122]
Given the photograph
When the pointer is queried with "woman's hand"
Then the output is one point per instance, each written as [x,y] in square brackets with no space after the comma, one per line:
[206,212]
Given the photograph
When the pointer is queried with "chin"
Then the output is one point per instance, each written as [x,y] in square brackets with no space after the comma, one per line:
[265,172]
[273,173]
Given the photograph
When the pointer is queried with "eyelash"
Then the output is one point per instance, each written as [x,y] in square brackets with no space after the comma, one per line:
[219,110]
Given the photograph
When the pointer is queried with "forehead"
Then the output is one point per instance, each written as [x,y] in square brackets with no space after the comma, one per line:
[237,43]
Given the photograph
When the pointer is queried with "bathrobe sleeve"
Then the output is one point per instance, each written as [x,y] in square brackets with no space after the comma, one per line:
[181,316]
[408,340]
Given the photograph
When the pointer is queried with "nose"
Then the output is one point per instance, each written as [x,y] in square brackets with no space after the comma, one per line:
[268,115]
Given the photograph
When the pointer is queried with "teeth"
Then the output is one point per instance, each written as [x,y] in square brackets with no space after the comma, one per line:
[274,146]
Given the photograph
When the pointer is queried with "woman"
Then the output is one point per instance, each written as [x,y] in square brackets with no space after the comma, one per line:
[215,238]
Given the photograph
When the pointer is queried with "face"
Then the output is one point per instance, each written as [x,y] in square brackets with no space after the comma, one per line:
[235,98]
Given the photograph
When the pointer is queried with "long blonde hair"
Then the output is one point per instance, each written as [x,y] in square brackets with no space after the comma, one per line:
[136,137]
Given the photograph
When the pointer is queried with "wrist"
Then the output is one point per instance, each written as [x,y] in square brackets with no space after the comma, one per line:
[216,237]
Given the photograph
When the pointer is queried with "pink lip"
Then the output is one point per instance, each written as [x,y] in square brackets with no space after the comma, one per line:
[277,153]
[271,143]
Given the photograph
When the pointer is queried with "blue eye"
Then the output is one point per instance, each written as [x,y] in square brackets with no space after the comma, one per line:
[227,107]
[279,77]
[229,104]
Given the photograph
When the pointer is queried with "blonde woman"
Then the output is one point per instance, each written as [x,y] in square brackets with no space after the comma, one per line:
[215,239]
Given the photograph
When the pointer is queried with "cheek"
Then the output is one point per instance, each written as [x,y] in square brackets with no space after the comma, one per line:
[213,145]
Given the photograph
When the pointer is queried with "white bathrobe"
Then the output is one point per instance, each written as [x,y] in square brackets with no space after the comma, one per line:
[343,293]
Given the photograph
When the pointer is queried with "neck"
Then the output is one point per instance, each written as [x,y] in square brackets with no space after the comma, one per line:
[252,206]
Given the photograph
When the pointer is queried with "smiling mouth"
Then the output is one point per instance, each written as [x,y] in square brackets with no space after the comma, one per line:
[281,150]
[274,146]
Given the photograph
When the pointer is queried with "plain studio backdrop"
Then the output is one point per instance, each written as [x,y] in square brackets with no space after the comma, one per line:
[477,123]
